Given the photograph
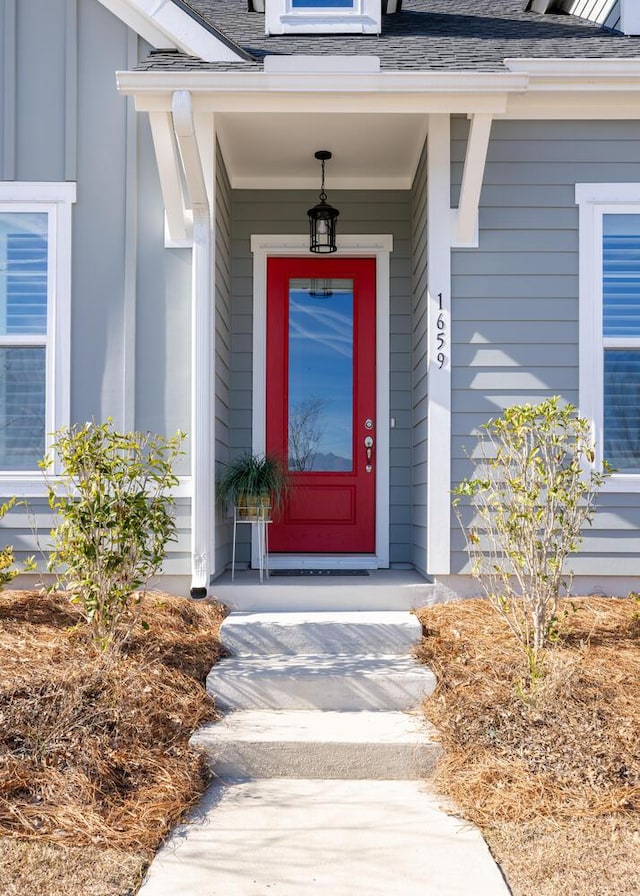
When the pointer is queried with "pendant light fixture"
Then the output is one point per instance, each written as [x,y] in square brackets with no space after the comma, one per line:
[322,217]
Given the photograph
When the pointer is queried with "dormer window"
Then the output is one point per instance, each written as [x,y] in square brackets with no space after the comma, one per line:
[323,16]
[321,4]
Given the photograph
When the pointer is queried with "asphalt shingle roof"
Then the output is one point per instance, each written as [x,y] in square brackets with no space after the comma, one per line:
[428,35]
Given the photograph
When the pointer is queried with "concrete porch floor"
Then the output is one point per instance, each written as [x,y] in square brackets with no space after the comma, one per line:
[382,589]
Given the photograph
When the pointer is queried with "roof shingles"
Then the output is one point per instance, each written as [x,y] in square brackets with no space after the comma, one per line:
[428,35]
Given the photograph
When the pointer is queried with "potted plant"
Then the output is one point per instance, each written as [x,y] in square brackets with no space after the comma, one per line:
[254,483]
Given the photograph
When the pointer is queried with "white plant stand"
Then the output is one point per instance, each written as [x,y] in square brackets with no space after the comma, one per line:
[261,518]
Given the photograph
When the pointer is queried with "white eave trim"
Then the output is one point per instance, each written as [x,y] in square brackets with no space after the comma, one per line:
[579,74]
[163,24]
[158,82]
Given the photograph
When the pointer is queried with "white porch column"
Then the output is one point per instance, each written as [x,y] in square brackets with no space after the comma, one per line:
[439,353]
[200,183]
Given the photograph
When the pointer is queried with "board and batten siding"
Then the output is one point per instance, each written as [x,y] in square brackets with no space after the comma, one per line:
[285,212]
[63,120]
[419,222]
[515,298]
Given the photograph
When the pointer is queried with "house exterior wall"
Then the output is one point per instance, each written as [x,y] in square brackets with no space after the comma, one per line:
[515,298]
[34,76]
[63,120]
[419,227]
[372,212]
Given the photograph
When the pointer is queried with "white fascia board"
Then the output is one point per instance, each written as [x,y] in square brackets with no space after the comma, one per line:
[335,102]
[494,88]
[583,66]
[578,74]
[163,24]
[494,84]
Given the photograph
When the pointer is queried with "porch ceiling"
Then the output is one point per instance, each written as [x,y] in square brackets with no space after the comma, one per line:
[276,150]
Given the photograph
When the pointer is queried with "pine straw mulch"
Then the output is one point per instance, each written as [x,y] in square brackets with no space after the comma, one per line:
[552,775]
[94,748]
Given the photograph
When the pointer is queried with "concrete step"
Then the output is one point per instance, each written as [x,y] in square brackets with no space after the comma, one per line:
[320,633]
[391,746]
[341,683]
[383,590]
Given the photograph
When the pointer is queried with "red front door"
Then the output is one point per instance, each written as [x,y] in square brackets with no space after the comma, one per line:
[321,401]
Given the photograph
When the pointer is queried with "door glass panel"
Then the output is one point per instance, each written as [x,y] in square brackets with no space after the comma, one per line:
[320,410]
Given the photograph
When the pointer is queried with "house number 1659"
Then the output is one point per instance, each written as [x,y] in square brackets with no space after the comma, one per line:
[441,335]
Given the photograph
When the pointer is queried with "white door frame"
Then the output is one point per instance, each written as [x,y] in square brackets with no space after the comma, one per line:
[365,246]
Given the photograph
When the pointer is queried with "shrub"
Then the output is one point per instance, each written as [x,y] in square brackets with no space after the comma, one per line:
[7,570]
[114,498]
[533,493]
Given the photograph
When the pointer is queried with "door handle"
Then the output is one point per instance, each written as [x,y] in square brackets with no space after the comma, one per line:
[368,447]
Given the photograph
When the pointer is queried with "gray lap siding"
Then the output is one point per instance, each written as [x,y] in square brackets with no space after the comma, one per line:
[515,298]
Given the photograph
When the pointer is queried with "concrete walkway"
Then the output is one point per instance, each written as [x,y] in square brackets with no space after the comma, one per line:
[340,838]
[322,769]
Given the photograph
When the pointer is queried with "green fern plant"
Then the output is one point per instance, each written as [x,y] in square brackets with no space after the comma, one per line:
[253,479]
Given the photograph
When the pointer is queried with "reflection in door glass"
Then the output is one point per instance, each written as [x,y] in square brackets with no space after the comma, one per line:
[320,375]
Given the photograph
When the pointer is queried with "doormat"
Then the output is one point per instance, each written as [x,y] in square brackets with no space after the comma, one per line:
[319,572]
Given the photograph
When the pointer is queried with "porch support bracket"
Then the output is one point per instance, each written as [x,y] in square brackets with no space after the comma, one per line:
[202,338]
[178,218]
[465,217]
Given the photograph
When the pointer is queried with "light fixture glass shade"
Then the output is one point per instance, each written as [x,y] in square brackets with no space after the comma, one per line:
[322,227]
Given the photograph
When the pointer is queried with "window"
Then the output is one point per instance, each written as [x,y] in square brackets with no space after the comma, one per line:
[35,254]
[323,16]
[610,324]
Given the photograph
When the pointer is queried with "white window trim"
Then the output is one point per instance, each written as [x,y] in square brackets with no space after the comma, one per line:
[56,200]
[594,201]
[350,246]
